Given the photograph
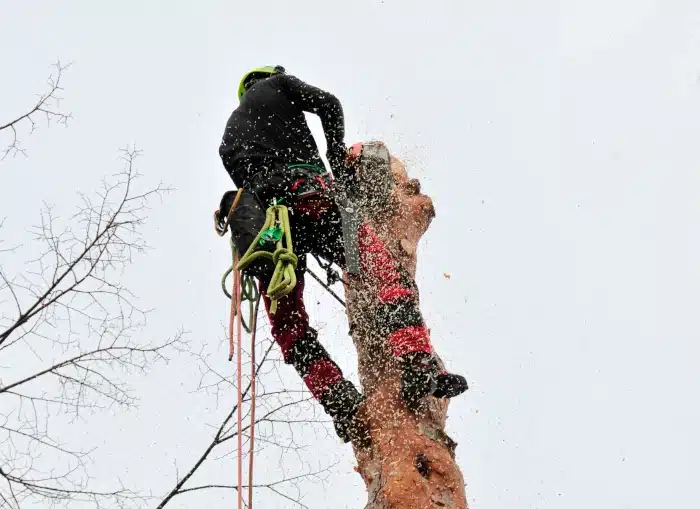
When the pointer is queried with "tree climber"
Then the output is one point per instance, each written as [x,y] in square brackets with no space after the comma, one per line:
[268,150]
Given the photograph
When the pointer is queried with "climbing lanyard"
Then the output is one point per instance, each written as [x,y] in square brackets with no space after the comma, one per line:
[332,277]
[276,230]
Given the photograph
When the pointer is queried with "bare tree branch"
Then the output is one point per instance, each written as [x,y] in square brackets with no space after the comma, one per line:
[5,249]
[69,331]
[272,486]
[78,268]
[280,403]
[207,451]
[47,105]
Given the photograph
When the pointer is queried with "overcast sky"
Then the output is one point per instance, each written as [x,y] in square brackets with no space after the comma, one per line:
[559,141]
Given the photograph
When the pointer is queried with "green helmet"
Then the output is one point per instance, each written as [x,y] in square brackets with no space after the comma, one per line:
[256,74]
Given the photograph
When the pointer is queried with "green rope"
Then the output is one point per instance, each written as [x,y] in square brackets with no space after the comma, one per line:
[223,282]
[311,166]
[249,292]
[284,278]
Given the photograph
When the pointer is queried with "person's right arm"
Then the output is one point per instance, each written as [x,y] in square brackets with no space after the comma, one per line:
[329,110]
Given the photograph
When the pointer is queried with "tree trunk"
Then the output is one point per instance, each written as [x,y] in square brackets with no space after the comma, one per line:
[410,462]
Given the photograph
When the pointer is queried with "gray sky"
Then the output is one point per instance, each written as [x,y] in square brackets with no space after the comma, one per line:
[559,142]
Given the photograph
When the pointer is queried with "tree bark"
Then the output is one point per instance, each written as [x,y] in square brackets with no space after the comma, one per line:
[410,460]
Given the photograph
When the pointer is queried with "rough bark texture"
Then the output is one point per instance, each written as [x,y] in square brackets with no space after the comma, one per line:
[410,463]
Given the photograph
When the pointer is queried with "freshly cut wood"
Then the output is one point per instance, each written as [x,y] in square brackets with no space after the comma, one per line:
[410,460]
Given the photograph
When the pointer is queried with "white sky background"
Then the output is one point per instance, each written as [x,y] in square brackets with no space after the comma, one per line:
[560,144]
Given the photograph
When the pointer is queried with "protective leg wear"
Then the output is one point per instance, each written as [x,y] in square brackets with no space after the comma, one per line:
[400,320]
[298,341]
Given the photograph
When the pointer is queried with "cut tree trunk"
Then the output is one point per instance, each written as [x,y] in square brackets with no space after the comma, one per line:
[410,462]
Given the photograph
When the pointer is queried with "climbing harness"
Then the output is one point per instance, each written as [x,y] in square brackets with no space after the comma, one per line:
[318,169]
[275,230]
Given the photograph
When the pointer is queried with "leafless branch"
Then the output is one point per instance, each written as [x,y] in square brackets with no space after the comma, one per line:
[23,489]
[271,403]
[47,105]
[69,331]
[5,249]
[272,486]
[74,274]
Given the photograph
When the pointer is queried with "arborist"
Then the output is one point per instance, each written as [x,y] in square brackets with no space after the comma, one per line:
[269,152]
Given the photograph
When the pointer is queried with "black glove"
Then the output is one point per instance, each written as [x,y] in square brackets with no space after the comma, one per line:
[337,158]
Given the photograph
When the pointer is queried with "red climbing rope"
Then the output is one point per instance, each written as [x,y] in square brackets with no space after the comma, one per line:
[237,347]
[235,308]
[239,383]
[253,328]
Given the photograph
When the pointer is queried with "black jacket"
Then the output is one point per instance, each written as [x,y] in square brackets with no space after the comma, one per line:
[268,129]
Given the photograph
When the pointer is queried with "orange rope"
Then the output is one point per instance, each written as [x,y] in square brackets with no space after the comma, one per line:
[222,231]
[235,305]
[239,363]
[236,346]
[235,315]
[253,328]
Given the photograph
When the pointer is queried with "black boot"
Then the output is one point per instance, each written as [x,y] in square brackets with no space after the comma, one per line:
[450,385]
[341,402]
[419,373]
[421,376]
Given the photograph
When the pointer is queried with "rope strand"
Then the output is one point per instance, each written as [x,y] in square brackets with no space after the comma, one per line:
[235,297]
[253,375]
[239,384]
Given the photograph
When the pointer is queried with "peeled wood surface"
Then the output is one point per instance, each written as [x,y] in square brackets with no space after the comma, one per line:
[410,462]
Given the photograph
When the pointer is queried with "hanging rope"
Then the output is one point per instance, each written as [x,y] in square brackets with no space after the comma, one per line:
[253,376]
[277,230]
[239,384]
[235,305]
[237,346]
[248,292]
